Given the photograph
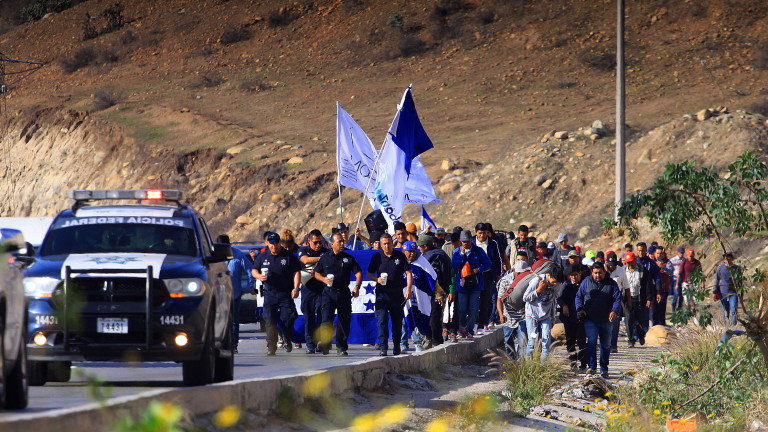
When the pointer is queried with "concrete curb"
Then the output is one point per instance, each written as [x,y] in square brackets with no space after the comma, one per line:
[257,394]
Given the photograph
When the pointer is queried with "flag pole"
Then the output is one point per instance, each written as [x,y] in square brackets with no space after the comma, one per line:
[365,194]
[341,205]
[338,174]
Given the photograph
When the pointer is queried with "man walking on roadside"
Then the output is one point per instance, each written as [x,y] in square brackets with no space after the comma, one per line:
[560,255]
[469,262]
[687,267]
[387,268]
[279,272]
[333,270]
[725,288]
[598,303]
[312,288]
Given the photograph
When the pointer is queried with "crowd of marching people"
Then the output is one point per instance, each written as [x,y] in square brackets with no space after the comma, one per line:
[480,279]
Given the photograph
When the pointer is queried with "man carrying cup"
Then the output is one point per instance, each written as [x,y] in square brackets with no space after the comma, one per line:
[387,268]
[279,272]
[334,269]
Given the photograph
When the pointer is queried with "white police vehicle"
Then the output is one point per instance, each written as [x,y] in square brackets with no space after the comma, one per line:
[130,282]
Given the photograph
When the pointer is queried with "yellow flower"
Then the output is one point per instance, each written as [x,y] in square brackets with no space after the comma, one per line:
[393,415]
[711,415]
[227,417]
[656,412]
[695,368]
[315,384]
[437,425]
[364,423]
[165,411]
[608,394]
[666,403]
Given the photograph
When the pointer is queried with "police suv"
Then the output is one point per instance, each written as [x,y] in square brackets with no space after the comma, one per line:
[130,282]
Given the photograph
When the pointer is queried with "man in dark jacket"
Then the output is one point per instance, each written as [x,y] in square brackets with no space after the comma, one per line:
[525,243]
[651,282]
[441,263]
[575,338]
[487,296]
[560,255]
[725,288]
[471,284]
[598,303]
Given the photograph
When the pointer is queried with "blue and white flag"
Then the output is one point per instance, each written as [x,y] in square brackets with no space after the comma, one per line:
[356,157]
[418,189]
[426,221]
[419,308]
[406,139]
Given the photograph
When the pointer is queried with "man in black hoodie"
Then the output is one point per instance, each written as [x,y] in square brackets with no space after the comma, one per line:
[441,263]
[575,338]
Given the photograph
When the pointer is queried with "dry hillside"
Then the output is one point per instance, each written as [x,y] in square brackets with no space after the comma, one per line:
[216,97]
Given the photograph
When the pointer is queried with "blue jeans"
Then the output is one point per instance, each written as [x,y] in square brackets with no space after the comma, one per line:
[514,339]
[594,330]
[730,306]
[469,306]
[615,332]
[544,330]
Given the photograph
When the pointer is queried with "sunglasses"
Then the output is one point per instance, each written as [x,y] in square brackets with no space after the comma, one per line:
[317,243]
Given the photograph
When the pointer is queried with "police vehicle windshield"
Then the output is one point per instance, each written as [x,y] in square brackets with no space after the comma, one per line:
[173,236]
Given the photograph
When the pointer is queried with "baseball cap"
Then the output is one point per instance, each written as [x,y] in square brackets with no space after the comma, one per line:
[652,249]
[689,252]
[425,240]
[551,245]
[562,237]
[612,262]
[573,253]
[520,266]
[611,255]
[600,254]
[409,246]
[440,230]
[590,254]
[410,227]
[541,245]
[465,236]
[273,238]
[629,257]
[588,262]
[681,249]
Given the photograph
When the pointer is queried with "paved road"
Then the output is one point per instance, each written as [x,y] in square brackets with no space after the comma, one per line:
[121,379]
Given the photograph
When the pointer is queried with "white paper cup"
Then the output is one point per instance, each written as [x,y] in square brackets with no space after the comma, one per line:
[265,271]
[384,278]
[330,278]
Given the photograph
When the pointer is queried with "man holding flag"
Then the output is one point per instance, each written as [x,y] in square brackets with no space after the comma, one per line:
[418,311]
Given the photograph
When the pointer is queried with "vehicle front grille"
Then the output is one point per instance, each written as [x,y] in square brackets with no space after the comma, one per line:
[110,290]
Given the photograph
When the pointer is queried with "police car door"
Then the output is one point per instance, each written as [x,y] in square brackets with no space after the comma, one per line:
[218,277]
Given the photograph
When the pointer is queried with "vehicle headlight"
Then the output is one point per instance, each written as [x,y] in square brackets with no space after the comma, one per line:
[184,287]
[40,287]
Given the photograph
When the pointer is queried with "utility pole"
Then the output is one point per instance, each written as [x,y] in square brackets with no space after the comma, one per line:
[620,93]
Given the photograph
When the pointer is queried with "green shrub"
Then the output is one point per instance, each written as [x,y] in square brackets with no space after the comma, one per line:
[529,382]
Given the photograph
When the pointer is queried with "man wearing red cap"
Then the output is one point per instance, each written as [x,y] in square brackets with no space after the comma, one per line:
[632,279]
[687,267]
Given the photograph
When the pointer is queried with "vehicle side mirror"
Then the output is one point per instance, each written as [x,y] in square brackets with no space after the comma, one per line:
[25,255]
[221,252]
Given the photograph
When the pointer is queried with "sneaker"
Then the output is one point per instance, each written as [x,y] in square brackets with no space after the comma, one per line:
[642,340]
[604,374]
[591,372]
[382,353]
[453,338]
[462,333]
[583,369]
[341,352]
[271,352]
[403,348]
[419,348]
[614,350]
[288,347]
[310,350]
[632,344]
[234,350]
[280,343]
[470,337]
[395,351]
[445,334]
[298,345]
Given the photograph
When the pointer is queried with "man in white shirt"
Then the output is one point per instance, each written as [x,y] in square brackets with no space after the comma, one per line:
[618,274]
[677,295]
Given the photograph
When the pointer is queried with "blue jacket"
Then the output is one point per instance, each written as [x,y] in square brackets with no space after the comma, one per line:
[598,299]
[494,253]
[477,259]
[240,266]
[724,283]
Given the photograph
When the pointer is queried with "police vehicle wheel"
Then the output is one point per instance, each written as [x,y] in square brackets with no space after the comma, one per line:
[37,373]
[17,386]
[201,372]
[225,366]
[59,371]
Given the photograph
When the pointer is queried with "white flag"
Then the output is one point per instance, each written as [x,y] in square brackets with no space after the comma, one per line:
[355,154]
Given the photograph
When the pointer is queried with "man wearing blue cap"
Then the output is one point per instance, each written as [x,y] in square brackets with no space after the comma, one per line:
[279,272]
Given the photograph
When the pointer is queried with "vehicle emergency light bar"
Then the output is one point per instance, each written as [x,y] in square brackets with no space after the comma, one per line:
[83,196]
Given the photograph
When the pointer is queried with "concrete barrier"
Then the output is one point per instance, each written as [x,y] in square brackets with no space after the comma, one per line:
[257,394]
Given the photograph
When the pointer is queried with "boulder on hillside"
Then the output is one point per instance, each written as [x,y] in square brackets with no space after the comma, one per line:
[657,335]
[447,165]
[448,187]
[704,114]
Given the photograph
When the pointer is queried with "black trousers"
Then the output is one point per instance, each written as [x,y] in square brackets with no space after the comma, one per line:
[576,343]
[333,301]
[389,309]
[436,323]
[311,302]
[278,305]
[489,286]
[637,321]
